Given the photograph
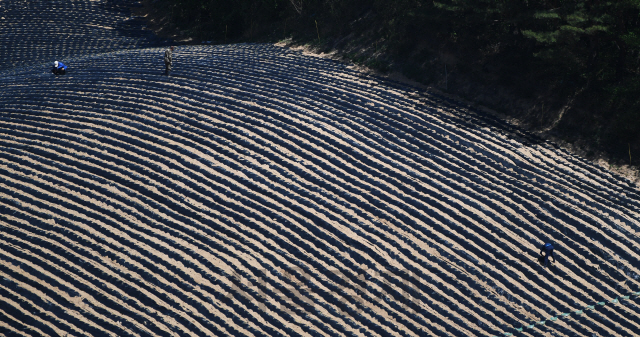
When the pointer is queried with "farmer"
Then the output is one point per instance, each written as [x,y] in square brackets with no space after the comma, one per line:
[59,68]
[548,248]
[168,60]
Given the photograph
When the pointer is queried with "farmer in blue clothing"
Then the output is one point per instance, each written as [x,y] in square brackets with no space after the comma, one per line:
[548,248]
[59,68]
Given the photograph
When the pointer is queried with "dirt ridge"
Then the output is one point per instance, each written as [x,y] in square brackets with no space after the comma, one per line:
[259,191]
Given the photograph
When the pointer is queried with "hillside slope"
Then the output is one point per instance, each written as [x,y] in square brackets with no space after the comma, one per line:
[565,70]
[261,192]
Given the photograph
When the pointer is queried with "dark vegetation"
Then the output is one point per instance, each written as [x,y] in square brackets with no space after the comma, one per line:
[567,68]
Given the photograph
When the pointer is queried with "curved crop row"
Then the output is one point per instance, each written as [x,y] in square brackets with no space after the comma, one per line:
[260,192]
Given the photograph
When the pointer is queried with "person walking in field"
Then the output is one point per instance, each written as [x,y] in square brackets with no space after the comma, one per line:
[548,248]
[168,60]
[59,68]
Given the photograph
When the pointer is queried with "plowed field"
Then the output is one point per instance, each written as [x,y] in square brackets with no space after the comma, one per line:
[261,192]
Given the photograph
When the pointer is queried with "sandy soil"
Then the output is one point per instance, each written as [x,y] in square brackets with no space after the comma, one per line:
[265,191]
[261,191]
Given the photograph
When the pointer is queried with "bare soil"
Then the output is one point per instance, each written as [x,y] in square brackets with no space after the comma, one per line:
[264,190]
[299,196]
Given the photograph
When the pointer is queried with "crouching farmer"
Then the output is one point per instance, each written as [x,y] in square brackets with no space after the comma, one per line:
[59,68]
[547,248]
